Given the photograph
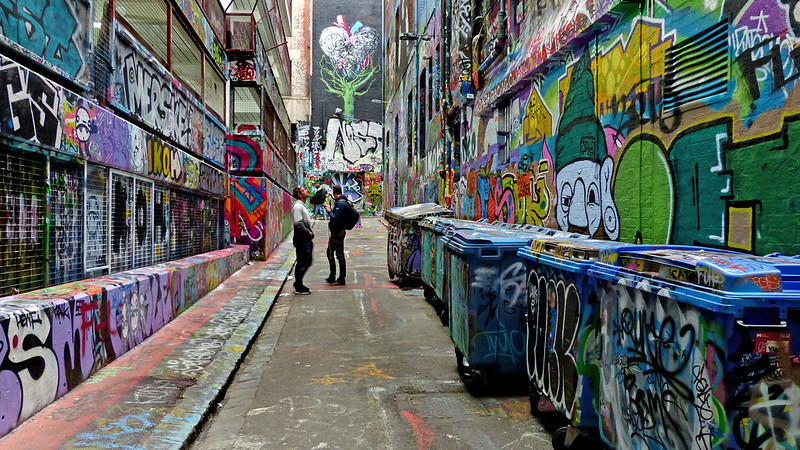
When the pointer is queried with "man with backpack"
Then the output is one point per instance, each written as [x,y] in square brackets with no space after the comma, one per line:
[343,217]
[318,202]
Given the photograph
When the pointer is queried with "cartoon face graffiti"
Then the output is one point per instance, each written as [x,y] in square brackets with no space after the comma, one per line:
[585,202]
[83,126]
[138,153]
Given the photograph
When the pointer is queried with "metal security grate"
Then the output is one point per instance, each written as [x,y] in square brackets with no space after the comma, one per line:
[96,221]
[66,205]
[179,215]
[161,228]
[194,242]
[22,237]
[143,223]
[121,226]
[187,224]
[697,68]
[208,234]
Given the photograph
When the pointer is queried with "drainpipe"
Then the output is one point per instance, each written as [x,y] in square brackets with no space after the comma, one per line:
[499,41]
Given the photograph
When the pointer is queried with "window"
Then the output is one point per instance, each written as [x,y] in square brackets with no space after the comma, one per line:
[147,19]
[410,127]
[246,106]
[214,90]
[503,132]
[187,63]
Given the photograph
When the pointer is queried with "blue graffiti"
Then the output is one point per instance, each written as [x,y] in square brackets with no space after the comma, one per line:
[50,29]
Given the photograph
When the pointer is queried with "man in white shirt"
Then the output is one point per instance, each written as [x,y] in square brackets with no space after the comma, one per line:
[303,238]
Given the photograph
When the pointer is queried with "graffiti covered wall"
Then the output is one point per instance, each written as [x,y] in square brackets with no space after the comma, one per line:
[73,330]
[345,134]
[258,214]
[603,141]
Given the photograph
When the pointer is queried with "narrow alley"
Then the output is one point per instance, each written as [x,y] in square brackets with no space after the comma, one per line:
[365,365]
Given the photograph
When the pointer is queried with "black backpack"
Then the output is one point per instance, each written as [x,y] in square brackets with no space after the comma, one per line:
[350,216]
[319,197]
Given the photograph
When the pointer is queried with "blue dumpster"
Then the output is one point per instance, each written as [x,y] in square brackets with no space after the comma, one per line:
[561,319]
[698,349]
[487,298]
[404,247]
[434,232]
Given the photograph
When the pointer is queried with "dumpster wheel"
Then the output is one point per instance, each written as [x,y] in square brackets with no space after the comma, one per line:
[475,380]
[566,437]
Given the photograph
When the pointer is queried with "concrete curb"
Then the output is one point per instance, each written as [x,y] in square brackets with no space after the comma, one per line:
[180,426]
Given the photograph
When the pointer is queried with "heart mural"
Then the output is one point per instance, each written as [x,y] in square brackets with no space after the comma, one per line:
[349,47]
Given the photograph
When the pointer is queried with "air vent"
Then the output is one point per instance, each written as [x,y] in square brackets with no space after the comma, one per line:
[697,69]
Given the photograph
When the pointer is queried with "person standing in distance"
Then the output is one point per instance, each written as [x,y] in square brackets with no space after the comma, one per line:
[303,239]
[338,232]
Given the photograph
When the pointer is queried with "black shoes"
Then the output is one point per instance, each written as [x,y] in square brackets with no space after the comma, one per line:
[301,290]
[335,281]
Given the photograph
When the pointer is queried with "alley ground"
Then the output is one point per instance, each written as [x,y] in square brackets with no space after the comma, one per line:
[363,366]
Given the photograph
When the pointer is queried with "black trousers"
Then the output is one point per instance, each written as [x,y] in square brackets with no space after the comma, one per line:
[336,249]
[304,250]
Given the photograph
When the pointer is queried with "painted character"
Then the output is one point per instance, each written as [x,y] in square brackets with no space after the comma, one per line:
[585,203]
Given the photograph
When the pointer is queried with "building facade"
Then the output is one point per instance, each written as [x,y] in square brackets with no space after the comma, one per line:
[657,123]
[343,141]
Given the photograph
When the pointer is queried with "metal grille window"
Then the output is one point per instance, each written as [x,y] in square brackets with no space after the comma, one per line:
[215,90]
[101,58]
[22,237]
[161,228]
[148,20]
[195,230]
[143,223]
[208,225]
[697,69]
[187,60]
[121,226]
[96,221]
[246,106]
[66,205]
[179,216]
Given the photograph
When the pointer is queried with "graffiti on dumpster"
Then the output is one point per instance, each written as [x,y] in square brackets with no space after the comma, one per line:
[553,321]
[656,380]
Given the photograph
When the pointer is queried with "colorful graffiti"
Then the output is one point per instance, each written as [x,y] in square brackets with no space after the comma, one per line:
[71,331]
[53,31]
[258,214]
[597,145]
[245,153]
[347,69]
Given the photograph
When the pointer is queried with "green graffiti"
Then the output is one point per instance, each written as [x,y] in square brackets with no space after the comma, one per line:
[701,185]
[345,87]
[643,192]
[764,174]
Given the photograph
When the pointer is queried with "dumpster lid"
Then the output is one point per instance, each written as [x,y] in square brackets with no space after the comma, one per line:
[576,249]
[714,269]
[418,211]
[492,236]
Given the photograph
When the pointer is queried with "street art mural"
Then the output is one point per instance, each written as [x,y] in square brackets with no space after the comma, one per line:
[54,32]
[352,144]
[258,214]
[73,330]
[245,153]
[597,146]
[347,69]
[146,91]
